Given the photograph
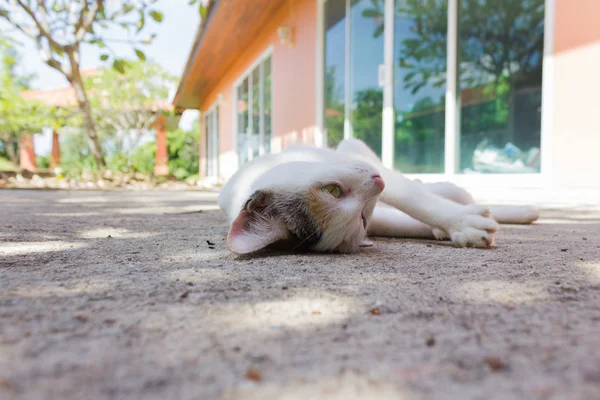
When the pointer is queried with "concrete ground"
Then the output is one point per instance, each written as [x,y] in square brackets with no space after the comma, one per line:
[131,295]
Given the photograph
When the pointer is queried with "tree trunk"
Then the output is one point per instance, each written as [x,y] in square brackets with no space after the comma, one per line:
[10,151]
[84,106]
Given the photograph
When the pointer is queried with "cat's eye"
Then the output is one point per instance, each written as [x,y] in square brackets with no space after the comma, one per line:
[334,190]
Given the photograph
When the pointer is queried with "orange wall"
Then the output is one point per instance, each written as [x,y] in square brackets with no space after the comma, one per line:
[577,23]
[575,132]
[294,75]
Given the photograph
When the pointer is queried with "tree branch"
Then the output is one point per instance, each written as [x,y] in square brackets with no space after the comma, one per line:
[86,20]
[43,28]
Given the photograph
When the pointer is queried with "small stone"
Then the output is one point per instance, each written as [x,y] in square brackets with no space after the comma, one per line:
[110,321]
[430,341]
[9,226]
[284,288]
[81,318]
[185,294]
[375,311]
[494,362]
[109,237]
[253,374]
[563,250]
[584,238]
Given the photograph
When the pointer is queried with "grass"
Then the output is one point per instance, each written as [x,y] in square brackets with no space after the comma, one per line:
[6,165]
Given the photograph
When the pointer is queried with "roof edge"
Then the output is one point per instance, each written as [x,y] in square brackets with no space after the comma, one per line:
[211,10]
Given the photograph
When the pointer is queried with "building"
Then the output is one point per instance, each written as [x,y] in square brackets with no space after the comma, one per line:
[499,93]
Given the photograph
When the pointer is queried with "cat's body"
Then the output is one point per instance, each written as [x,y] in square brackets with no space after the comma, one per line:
[324,200]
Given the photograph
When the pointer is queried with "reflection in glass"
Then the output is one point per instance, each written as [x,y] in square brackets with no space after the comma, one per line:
[501,47]
[211,131]
[253,134]
[242,125]
[420,37]
[335,74]
[366,54]
[267,114]
[255,95]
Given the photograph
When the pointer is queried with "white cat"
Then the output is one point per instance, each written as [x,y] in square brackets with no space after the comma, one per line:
[308,198]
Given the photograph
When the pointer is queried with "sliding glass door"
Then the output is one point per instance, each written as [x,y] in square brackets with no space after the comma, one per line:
[492,87]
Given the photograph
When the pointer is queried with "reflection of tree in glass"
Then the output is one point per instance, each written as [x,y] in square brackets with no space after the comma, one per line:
[366,118]
[334,109]
[500,64]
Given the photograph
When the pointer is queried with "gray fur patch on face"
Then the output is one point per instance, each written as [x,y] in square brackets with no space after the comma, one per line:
[291,210]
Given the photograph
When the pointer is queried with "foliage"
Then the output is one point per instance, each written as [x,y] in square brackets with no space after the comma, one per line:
[17,116]
[126,105]
[183,153]
[334,109]
[61,27]
[182,156]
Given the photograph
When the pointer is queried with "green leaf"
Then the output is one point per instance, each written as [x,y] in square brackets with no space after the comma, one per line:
[192,2]
[119,66]
[157,15]
[378,31]
[104,57]
[203,11]
[371,13]
[141,22]
[140,54]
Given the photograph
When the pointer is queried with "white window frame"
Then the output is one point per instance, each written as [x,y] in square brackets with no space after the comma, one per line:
[215,136]
[452,146]
[258,62]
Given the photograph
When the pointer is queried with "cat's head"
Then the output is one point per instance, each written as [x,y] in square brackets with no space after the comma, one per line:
[310,206]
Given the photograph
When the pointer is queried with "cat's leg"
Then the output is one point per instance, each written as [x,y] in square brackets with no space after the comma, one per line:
[450,191]
[358,147]
[391,222]
[465,225]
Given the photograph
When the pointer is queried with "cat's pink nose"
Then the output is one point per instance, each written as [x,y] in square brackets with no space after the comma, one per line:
[379,182]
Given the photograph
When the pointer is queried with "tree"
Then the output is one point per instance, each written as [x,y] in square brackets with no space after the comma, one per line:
[127,105]
[61,27]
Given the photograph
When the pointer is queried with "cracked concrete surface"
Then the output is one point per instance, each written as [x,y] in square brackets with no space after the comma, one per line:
[120,295]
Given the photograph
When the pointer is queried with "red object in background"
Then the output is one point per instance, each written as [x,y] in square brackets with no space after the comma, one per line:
[55,155]
[161,167]
[27,153]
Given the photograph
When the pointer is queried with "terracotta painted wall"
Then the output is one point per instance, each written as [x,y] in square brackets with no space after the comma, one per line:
[294,83]
[576,94]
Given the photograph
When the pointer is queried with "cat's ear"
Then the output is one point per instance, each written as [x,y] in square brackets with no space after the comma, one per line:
[254,228]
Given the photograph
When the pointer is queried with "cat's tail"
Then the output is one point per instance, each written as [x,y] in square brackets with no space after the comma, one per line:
[514,214]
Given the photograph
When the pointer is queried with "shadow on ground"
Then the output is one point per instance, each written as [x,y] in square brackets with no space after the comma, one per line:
[134,295]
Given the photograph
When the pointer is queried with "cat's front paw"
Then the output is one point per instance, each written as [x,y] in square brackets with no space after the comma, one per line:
[473,227]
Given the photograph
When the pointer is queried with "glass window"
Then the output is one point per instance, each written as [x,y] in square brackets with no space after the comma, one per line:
[501,45]
[335,70]
[366,55]
[254,112]
[420,40]
[242,120]
[254,133]
[267,107]
[211,130]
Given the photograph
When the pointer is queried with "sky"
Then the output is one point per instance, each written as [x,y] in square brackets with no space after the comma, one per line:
[170,48]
